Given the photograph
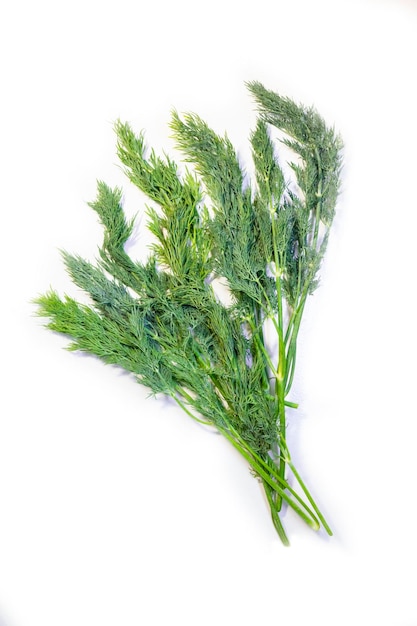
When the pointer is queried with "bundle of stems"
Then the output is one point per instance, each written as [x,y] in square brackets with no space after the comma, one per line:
[163,319]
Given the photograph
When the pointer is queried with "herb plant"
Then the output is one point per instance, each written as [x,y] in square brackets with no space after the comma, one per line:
[163,319]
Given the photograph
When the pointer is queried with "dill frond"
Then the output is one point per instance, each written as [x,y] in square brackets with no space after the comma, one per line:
[163,321]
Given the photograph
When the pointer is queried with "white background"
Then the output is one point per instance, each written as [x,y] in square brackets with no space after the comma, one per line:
[116,508]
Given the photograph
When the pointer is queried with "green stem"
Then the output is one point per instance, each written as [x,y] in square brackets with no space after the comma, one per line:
[272,471]
[270,478]
[275,515]
[266,354]
[280,393]
[305,490]
[184,408]
[265,474]
[290,370]
[291,405]
[310,498]
[291,338]
[280,385]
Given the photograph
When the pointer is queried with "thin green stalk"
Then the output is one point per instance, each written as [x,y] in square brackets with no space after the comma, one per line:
[281,366]
[280,496]
[290,372]
[188,412]
[310,498]
[280,390]
[270,467]
[269,489]
[305,489]
[291,405]
[275,514]
[310,520]
[291,338]
[257,464]
[280,393]
[266,354]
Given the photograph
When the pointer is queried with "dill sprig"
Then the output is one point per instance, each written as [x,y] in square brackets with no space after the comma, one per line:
[163,320]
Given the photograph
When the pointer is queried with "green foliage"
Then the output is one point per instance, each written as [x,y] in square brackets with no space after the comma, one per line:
[163,321]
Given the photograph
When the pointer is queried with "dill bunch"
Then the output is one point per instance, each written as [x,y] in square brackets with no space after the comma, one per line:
[162,319]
